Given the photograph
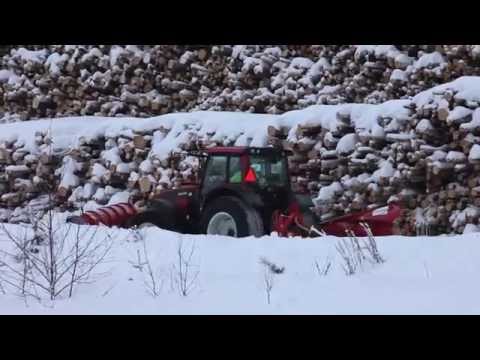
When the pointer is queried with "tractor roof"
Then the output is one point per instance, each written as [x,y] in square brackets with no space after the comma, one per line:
[227,150]
[239,150]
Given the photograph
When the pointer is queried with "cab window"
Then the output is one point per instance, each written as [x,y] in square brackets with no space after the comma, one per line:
[216,170]
[235,172]
[269,170]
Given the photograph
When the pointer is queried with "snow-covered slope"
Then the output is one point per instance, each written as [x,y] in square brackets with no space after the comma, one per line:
[242,128]
[66,132]
[421,275]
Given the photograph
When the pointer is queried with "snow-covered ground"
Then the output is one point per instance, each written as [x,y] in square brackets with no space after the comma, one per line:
[421,275]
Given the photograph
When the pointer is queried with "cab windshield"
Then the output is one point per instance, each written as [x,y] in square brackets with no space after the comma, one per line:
[270,171]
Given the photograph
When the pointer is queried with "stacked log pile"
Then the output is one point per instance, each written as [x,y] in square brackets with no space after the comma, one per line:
[428,161]
[142,81]
[351,171]
[91,174]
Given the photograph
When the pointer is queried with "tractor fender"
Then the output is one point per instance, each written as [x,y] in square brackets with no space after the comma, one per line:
[160,205]
[160,212]
[248,197]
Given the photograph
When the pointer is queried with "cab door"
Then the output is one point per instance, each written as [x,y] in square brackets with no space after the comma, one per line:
[272,184]
[215,174]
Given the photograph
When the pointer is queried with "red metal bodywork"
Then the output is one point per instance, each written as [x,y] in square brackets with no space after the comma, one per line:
[379,220]
[239,150]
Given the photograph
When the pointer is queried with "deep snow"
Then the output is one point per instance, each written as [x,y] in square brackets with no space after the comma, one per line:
[421,275]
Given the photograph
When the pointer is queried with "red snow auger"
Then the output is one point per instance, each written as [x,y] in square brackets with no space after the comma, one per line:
[113,215]
[241,192]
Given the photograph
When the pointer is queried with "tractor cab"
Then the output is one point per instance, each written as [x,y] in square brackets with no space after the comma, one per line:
[256,176]
[261,167]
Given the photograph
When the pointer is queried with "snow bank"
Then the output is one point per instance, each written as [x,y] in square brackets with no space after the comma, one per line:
[467,88]
[67,132]
[421,275]
[384,171]
[429,60]
[346,144]
[251,129]
[327,193]
[30,55]
[243,128]
[474,154]
[364,117]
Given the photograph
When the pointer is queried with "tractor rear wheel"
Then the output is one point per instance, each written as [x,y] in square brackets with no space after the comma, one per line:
[229,216]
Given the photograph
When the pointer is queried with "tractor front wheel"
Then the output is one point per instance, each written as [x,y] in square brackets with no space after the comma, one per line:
[229,216]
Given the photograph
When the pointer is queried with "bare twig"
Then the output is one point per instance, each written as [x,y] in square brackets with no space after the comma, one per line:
[108,290]
[427,271]
[150,278]
[269,273]
[138,264]
[371,245]
[354,254]
[49,261]
[323,270]
[2,289]
[184,279]
[268,278]
[152,283]
[347,253]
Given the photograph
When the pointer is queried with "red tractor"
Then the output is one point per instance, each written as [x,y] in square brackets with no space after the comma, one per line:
[243,191]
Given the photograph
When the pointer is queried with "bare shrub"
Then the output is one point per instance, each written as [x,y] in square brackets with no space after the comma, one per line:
[269,271]
[139,263]
[51,259]
[371,245]
[151,280]
[351,254]
[323,268]
[184,274]
[355,252]
[268,277]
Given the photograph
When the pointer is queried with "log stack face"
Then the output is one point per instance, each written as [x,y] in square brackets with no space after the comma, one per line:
[428,160]
[142,81]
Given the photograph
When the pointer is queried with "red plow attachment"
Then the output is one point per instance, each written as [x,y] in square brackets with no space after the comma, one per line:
[380,221]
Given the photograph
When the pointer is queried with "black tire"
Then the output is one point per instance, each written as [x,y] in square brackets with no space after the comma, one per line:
[247,220]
